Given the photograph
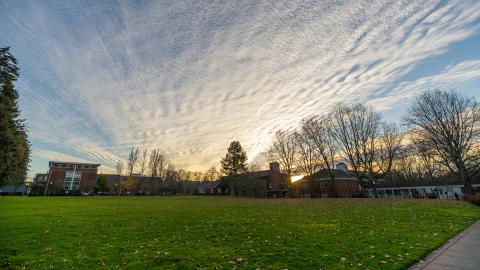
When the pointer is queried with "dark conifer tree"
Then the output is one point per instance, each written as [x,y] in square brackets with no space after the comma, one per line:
[14,145]
[235,161]
[102,184]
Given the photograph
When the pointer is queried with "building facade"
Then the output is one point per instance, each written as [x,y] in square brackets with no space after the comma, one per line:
[322,185]
[267,183]
[67,178]
[211,188]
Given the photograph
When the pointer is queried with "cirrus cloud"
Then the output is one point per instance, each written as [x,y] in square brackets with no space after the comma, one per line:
[188,77]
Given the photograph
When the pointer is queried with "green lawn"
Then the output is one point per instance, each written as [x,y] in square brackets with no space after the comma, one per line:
[222,232]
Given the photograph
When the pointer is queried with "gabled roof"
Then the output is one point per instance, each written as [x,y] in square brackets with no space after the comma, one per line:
[323,174]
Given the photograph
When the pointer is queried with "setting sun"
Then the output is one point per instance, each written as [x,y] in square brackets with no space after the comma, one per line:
[296,177]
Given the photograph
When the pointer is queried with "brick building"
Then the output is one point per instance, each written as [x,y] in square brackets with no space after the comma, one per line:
[267,183]
[66,178]
[321,184]
[216,187]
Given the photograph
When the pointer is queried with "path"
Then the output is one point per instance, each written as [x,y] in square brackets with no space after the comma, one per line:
[462,252]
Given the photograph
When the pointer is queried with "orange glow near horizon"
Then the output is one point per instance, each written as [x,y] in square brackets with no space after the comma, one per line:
[295,178]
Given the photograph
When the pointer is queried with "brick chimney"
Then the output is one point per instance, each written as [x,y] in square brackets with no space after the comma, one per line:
[274,166]
[275,176]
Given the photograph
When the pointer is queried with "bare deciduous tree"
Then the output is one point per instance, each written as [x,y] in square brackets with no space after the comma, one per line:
[427,166]
[307,159]
[282,150]
[355,127]
[369,145]
[451,123]
[162,165]
[157,163]
[320,134]
[143,161]
[181,175]
[416,162]
[382,153]
[407,166]
[171,173]
[211,174]
[197,176]
[132,160]
[119,167]
[119,171]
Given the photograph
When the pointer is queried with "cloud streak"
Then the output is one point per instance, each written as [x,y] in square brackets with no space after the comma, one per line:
[188,77]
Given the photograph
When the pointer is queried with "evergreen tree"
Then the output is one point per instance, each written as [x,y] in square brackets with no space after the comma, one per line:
[14,145]
[102,185]
[235,161]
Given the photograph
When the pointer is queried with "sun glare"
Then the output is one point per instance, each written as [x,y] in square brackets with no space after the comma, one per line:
[296,177]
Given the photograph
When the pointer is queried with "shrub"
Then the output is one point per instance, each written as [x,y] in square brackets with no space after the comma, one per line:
[432,195]
[472,198]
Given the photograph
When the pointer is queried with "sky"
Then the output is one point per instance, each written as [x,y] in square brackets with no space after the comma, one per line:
[188,77]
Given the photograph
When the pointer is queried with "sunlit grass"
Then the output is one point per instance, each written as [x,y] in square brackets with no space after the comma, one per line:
[223,232]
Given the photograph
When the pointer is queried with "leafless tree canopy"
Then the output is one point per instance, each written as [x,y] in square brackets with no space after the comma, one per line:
[157,164]
[450,122]
[319,133]
[119,167]
[283,151]
[306,160]
[355,127]
[132,159]
[369,145]
[416,162]
[211,174]
[143,161]
[197,176]
[383,152]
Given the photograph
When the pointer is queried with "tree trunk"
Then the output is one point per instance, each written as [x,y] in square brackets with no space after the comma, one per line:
[467,182]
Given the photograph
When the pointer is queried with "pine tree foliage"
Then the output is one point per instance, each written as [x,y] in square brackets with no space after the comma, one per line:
[235,161]
[102,184]
[14,145]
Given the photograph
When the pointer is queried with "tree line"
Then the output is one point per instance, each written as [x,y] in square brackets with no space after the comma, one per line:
[14,144]
[156,165]
[438,137]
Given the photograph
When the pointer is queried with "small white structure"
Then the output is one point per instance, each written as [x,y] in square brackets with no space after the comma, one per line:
[445,191]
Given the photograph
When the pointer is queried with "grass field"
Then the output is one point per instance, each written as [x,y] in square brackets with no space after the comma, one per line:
[220,232]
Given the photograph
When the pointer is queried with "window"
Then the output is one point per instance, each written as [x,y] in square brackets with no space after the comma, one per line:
[72,181]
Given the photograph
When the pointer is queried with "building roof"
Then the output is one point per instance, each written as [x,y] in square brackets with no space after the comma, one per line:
[258,175]
[438,182]
[116,177]
[323,174]
[68,164]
